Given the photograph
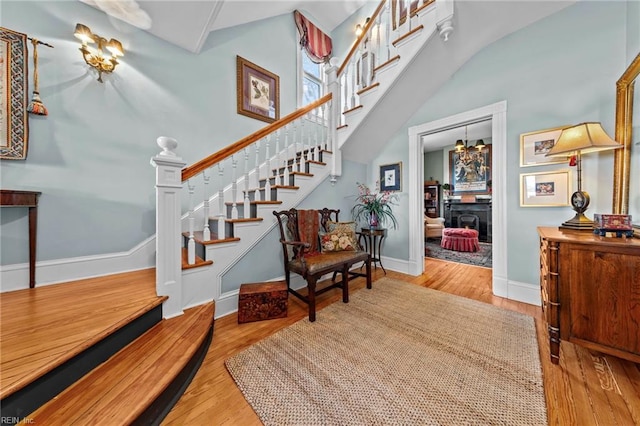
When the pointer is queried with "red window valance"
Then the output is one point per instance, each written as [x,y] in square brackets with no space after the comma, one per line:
[316,43]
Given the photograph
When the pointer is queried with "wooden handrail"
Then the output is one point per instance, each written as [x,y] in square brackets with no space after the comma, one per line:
[229,150]
[361,37]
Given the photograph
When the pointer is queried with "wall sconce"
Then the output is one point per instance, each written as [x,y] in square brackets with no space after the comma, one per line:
[95,57]
[360,28]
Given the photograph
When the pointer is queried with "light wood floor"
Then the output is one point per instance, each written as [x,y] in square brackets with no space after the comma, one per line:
[587,388]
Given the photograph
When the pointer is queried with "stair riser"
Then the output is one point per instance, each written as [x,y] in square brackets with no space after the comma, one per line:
[25,401]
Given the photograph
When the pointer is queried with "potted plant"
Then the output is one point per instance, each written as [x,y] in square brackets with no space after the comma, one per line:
[374,207]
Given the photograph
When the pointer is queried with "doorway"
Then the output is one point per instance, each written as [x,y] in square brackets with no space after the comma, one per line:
[497,114]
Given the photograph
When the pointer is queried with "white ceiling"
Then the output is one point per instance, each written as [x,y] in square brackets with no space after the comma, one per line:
[439,140]
[187,23]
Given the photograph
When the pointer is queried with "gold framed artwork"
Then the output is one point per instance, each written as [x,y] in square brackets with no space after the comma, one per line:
[545,189]
[14,80]
[391,177]
[535,145]
[258,91]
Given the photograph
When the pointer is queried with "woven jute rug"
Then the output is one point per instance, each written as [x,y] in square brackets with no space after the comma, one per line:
[398,354]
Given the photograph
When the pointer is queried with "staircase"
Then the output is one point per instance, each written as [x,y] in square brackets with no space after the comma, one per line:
[278,166]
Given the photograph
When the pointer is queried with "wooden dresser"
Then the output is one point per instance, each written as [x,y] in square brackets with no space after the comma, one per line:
[591,291]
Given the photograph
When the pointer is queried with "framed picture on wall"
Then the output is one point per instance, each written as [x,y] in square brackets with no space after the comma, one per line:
[545,189]
[391,177]
[535,145]
[258,91]
[470,171]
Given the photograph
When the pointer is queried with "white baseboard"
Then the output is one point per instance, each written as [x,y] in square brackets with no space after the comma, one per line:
[48,272]
[523,292]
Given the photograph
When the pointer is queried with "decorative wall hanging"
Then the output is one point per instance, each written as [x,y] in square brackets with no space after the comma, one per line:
[391,177]
[258,91]
[535,145]
[14,81]
[545,189]
[470,171]
[36,106]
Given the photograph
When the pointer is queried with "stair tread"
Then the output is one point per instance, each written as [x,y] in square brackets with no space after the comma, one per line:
[199,237]
[119,390]
[242,220]
[45,327]
[230,203]
[276,187]
[199,261]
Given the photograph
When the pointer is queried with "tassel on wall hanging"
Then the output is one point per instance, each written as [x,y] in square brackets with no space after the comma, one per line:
[36,106]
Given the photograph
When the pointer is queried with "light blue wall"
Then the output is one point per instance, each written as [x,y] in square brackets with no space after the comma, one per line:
[90,156]
[561,70]
[433,166]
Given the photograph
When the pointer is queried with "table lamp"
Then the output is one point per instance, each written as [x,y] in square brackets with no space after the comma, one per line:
[576,140]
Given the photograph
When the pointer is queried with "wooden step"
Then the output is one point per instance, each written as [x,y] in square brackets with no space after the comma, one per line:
[53,335]
[131,387]
[200,262]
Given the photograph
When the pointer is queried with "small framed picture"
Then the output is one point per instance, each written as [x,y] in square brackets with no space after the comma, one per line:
[535,145]
[545,189]
[258,91]
[391,177]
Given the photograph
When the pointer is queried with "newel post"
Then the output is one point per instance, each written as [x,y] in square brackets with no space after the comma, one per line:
[168,226]
[333,86]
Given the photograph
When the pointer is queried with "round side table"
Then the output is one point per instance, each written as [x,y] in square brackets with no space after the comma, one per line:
[373,243]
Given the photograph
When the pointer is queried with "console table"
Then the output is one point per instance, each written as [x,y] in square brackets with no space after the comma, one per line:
[590,288]
[28,199]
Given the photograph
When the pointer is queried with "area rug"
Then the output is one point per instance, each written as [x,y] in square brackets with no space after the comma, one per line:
[398,354]
[479,258]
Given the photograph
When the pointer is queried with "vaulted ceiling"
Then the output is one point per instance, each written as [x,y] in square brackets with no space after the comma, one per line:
[188,23]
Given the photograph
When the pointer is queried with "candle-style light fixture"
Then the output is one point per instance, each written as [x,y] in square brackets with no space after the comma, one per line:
[463,146]
[95,57]
[576,140]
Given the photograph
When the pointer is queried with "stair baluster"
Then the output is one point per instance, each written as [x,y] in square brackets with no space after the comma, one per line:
[278,178]
[234,188]
[303,165]
[257,195]
[191,245]
[221,207]
[267,185]
[247,203]
[285,172]
[206,232]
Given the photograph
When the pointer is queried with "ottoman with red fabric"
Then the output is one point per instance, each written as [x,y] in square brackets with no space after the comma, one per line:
[460,239]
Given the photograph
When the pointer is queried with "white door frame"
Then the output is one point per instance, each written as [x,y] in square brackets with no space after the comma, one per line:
[498,114]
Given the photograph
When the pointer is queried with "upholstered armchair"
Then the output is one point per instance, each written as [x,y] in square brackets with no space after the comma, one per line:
[433,227]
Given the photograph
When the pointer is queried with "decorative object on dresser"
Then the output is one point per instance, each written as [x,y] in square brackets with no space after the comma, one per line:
[590,288]
[618,225]
[14,81]
[576,140]
[258,91]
